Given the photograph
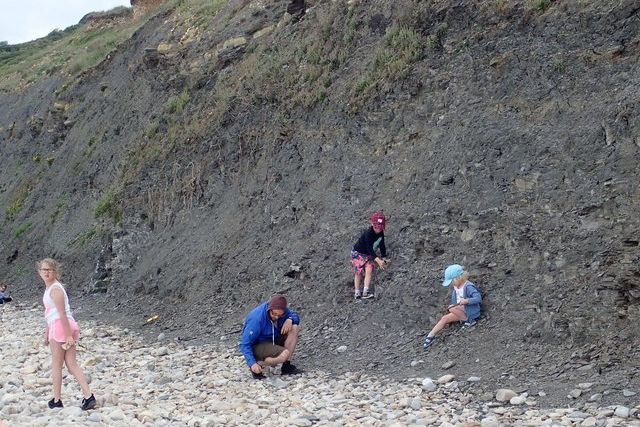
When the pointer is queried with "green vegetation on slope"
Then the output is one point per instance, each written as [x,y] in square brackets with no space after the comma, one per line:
[70,51]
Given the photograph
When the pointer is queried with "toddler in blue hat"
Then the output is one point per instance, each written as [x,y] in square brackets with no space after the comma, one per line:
[465,301]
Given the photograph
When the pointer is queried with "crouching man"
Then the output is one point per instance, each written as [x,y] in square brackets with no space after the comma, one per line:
[269,336]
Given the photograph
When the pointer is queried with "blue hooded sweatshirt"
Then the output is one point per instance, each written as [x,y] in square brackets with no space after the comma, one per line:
[259,328]
[472,293]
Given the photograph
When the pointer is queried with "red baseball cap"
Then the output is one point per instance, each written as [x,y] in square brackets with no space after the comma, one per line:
[378,219]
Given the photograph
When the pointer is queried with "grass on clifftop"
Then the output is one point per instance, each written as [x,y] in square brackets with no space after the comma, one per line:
[70,51]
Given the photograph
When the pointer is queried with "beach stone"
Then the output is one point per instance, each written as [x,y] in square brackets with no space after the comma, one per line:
[71,411]
[94,417]
[517,400]
[137,383]
[575,393]
[622,412]
[161,351]
[428,385]
[448,364]
[415,403]
[445,379]
[302,422]
[91,361]
[29,369]
[505,395]
[490,422]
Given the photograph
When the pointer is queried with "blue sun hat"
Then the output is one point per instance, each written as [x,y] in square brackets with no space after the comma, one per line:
[451,272]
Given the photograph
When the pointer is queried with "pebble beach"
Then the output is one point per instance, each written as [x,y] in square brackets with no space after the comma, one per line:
[169,383]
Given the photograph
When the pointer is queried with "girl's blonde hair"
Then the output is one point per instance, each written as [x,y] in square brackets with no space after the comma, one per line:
[463,277]
[52,263]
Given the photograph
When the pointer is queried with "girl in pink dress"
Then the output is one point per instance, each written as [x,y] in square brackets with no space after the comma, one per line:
[61,333]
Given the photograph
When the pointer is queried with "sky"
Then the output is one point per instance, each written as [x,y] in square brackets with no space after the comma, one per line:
[26,20]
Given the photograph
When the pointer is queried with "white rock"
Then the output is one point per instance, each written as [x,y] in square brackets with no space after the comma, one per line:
[445,379]
[116,414]
[448,364]
[490,422]
[29,369]
[161,351]
[505,395]
[341,349]
[94,417]
[517,400]
[71,411]
[621,411]
[589,422]
[575,393]
[91,361]
[415,403]
[428,384]
[300,422]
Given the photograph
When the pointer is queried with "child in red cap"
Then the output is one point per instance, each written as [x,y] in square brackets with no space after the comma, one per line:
[364,257]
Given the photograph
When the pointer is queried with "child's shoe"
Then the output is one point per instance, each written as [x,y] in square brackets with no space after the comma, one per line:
[428,341]
[467,325]
[89,403]
[53,404]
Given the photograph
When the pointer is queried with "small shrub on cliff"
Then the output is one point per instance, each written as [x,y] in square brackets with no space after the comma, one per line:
[542,5]
[175,104]
[60,206]
[204,11]
[17,199]
[153,130]
[84,236]
[434,41]
[109,204]
[403,46]
[24,227]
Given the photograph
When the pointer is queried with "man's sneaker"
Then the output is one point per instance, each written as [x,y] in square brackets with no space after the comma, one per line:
[357,296]
[466,325]
[89,403]
[289,369]
[53,404]
[367,295]
[428,341]
[259,376]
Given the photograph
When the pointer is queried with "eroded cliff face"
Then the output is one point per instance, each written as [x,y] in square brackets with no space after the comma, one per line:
[224,153]
[142,6]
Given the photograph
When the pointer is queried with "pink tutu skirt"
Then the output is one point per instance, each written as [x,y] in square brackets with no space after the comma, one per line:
[56,330]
